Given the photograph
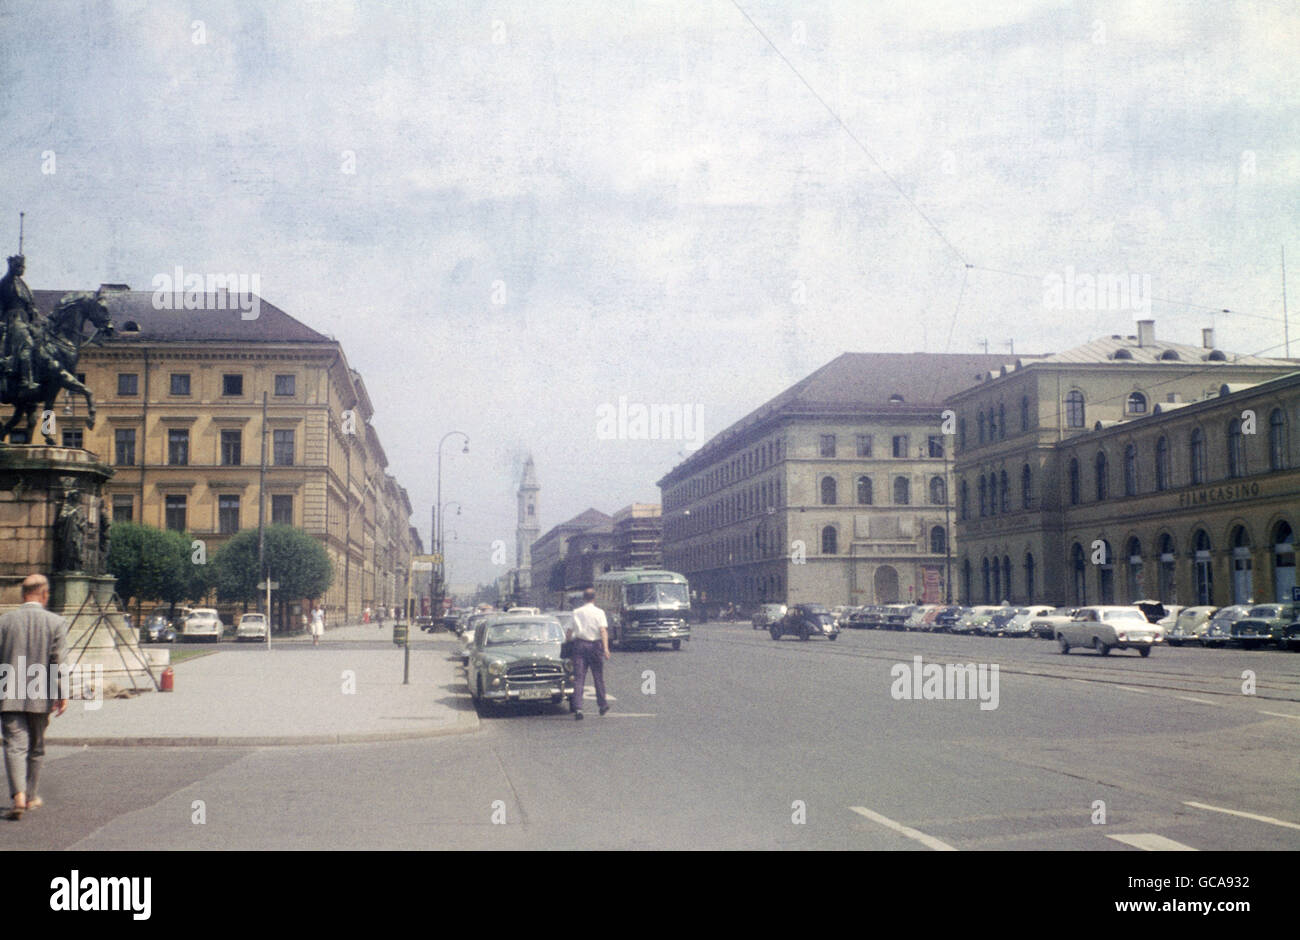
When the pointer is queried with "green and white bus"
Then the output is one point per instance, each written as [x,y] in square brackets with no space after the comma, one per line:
[645,606]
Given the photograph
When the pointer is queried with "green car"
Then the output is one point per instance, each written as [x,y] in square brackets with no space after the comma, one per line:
[1265,623]
[516,658]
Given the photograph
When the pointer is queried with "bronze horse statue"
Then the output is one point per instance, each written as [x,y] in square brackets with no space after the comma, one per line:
[63,336]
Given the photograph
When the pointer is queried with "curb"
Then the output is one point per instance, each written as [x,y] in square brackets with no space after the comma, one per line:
[467,722]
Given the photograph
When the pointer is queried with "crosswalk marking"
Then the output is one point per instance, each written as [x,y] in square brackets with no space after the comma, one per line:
[1244,815]
[928,841]
[1151,842]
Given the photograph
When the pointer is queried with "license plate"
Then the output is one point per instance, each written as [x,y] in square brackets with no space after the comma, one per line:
[535,693]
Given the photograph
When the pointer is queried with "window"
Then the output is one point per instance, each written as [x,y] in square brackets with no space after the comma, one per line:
[938,541]
[1074,482]
[961,433]
[1007,593]
[1277,440]
[180,383]
[1236,453]
[1002,421]
[1106,575]
[1162,464]
[128,383]
[284,384]
[902,491]
[984,496]
[1024,416]
[993,436]
[175,513]
[123,508]
[981,424]
[830,540]
[1131,470]
[984,569]
[864,445]
[1166,585]
[1198,458]
[1136,404]
[963,499]
[1080,573]
[178,447]
[1029,578]
[1074,413]
[864,491]
[124,447]
[283,447]
[1004,492]
[1134,570]
[938,491]
[828,445]
[966,582]
[1026,487]
[900,445]
[1204,569]
[935,445]
[73,438]
[232,385]
[227,514]
[231,448]
[1103,481]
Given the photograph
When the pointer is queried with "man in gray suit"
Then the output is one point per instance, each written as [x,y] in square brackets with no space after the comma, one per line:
[29,636]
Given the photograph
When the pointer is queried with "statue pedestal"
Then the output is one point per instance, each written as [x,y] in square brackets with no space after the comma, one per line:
[36,485]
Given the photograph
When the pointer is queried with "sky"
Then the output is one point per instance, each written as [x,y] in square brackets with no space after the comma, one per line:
[515,216]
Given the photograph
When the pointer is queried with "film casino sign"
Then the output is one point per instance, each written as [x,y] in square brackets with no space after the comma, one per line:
[1211,495]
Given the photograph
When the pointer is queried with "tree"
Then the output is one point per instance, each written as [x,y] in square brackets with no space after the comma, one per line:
[296,560]
[154,564]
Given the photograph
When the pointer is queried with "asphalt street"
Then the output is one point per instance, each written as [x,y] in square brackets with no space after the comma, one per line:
[742,742]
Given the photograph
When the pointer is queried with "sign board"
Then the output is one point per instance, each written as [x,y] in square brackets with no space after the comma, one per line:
[261,585]
[421,566]
[427,559]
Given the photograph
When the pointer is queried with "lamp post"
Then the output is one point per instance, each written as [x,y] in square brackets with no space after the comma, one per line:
[438,506]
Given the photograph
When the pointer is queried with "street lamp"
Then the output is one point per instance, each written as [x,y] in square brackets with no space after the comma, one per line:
[437,512]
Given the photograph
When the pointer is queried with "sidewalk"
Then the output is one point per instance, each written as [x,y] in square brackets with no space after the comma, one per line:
[337,693]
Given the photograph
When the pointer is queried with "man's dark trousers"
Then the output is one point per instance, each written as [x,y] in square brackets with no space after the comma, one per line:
[588,654]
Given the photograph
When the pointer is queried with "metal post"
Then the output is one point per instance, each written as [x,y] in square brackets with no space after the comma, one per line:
[261,523]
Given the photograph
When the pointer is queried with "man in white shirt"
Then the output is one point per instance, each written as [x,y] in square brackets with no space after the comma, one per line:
[590,636]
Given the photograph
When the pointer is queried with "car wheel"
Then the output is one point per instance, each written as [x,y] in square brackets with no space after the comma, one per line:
[833,636]
[677,644]
[775,632]
[1065,644]
[1100,647]
[1144,651]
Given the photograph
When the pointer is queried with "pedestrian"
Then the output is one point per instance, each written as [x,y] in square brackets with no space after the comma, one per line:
[317,626]
[29,636]
[590,636]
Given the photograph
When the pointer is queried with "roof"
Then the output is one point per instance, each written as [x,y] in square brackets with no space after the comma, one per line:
[219,319]
[1158,351]
[584,520]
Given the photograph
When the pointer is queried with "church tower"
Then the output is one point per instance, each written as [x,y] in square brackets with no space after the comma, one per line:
[528,529]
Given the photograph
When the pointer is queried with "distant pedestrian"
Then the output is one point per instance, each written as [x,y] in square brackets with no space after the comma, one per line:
[30,636]
[317,626]
[590,636]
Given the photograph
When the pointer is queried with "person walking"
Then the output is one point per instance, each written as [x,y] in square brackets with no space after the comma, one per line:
[317,626]
[30,636]
[590,636]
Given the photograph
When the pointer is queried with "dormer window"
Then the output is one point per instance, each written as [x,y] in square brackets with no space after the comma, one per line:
[1122,354]
[1170,355]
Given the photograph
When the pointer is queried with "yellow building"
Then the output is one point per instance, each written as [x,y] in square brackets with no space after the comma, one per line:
[181,396]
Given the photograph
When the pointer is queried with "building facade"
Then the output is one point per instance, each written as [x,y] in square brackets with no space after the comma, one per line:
[1099,474]
[182,420]
[638,535]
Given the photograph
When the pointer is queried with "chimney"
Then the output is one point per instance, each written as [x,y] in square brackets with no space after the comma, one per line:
[1146,332]
[1207,337]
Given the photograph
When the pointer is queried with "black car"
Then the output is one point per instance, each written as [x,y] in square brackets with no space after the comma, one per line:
[804,621]
[156,629]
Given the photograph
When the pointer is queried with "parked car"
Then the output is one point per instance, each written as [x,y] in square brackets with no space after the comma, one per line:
[1108,628]
[157,629]
[1189,626]
[868,617]
[1264,623]
[252,626]
[767,614]
[1291,637]
[1156,613]
[974,619]
[946,617]
[516,658]
[1019,624]
[1219,629]
[920,616]
[998,620]
[1044,625]
[896,616]
[804,621]
[203,623]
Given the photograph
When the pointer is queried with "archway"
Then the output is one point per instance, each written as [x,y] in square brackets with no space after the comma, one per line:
[886,584]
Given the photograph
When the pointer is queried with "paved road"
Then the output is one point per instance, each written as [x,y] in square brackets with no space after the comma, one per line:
[741,738]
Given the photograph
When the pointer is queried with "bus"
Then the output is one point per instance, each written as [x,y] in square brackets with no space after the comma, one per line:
[645,606]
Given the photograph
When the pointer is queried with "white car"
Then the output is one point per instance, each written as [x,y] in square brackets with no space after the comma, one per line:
[251,627]
[203,623]
[1019,624]
[1108,628]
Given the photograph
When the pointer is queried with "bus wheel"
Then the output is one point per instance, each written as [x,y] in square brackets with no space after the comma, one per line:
[677,644]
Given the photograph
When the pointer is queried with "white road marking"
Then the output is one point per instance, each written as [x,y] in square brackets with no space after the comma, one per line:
[1237,812]
[1127,688]
[589,690]
[1199,701]
[1150,842]
[929,842]
[1281,715]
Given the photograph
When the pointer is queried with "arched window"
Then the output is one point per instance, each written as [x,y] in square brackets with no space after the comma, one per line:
[1197,455]
[830,541]
[988,588]
[828,491]
[1136,404]
[1074,412]
[938,541]
[1134,569]
[1029,578]
[1204,568]
[1002,421]
[984,496]
[966,575]
[1103,481]
[1026,487]
[1243,574]
[963,498]
[1007,593]
[1283,562]
[1080,572]
[938,492]
[1074,482]
[997,581]
[1024,413]
[981,424]
[1131,471]
[1236,453]
[864,491]
[993,426]
[1004,492]
[1277,443]
[1162,464]
[1167,569]
[902,491]
[1106,574]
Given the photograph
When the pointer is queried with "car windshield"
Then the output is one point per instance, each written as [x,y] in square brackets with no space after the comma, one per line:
[1267,610]
[656,593]
[538,631]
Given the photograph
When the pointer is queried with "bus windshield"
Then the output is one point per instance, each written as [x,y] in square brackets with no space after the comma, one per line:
[656,593]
